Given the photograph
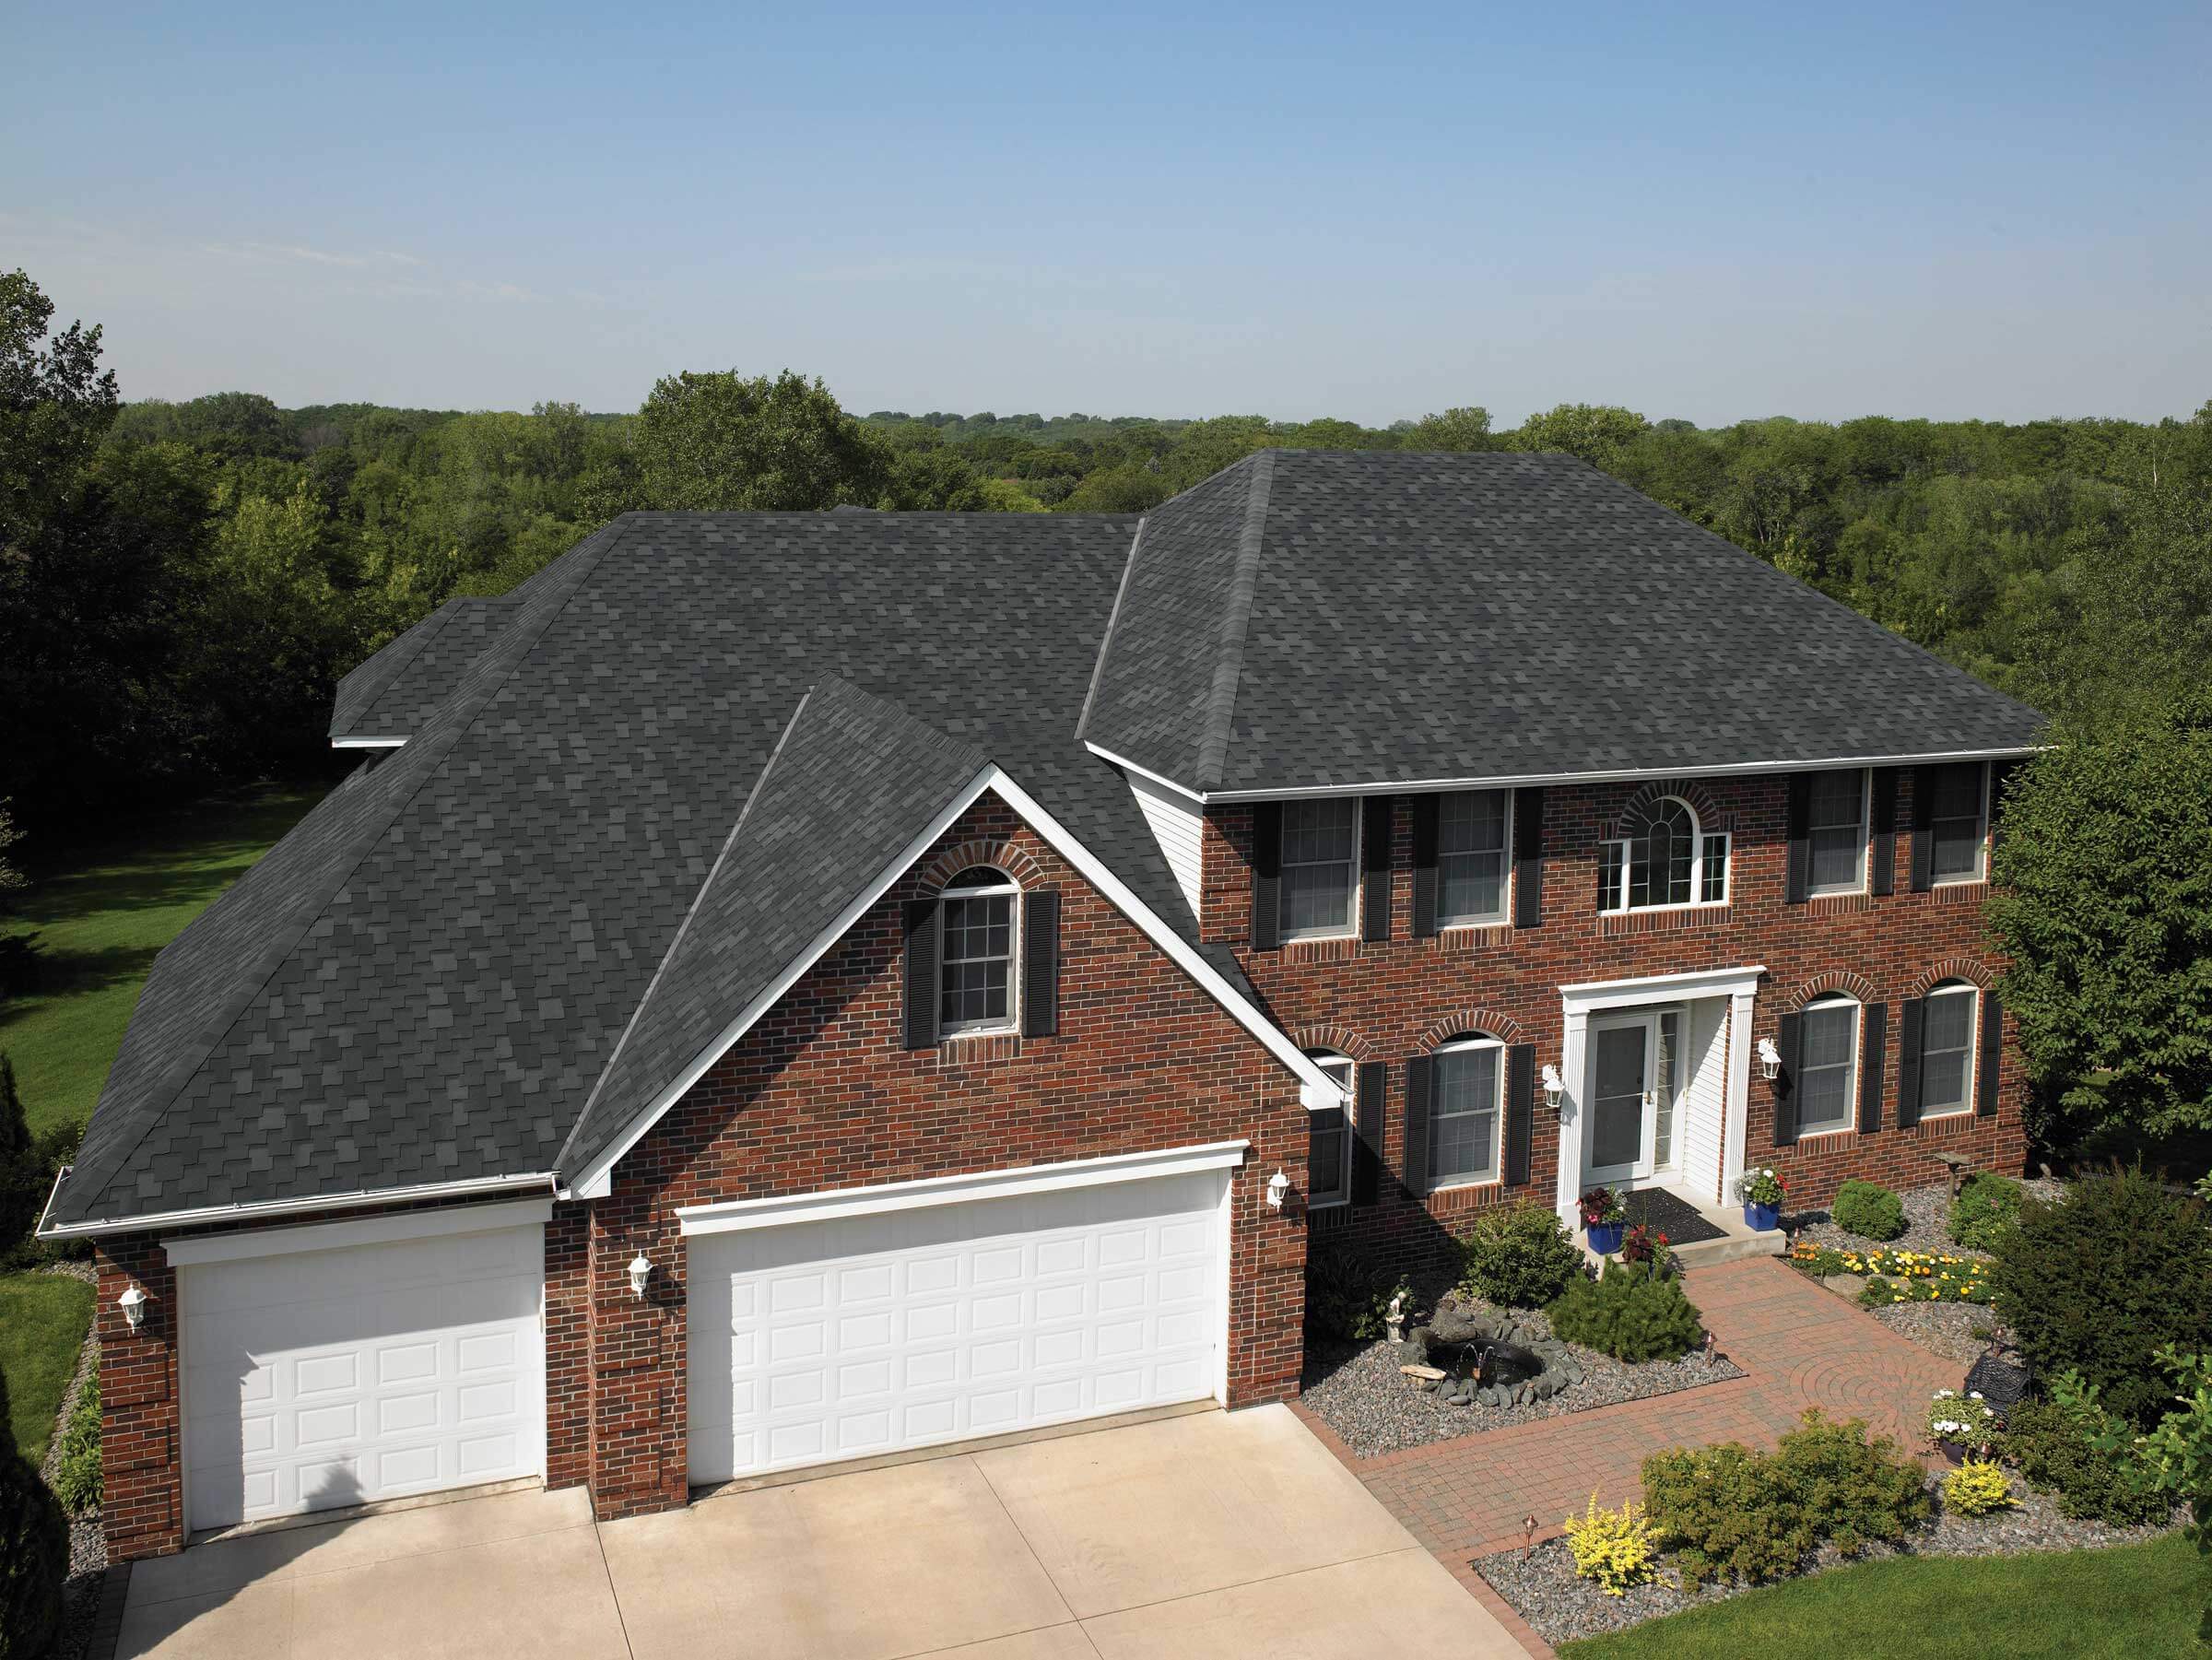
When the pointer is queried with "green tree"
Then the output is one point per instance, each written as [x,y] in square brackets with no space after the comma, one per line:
[725,442]
[2103,903]
[56,403]
[1598,434]
[1461,430]
[11,879]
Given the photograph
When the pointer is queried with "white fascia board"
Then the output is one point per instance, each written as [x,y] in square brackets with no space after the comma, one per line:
[1316,1090]
[274,1208]
[1418,786]
[1700,982]
[368,743]
[364,1231]
[737,1216]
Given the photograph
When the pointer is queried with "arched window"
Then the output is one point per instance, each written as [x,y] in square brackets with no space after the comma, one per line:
[1664,857]
[976,952]
[1463,1111]
[1828,1070]
[1329,1138]
[1948,1030]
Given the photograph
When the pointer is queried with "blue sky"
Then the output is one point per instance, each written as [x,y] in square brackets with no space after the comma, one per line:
[1368,212]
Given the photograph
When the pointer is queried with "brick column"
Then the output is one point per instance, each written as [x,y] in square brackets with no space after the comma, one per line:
[141,1434]
[639,1457]
[568,1347]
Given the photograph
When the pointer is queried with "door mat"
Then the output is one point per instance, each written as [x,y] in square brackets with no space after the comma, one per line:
[1661,1212]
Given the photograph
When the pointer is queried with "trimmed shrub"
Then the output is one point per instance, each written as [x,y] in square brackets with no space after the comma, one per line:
[1613,1547]
[34,1553]
[1628,1313]
[2051,1443]
[2100,1280]
[1349,1293]
[78,1482]
[1987,1205]
[1869,1210]
[1518,1256]
[1977,1487]
[1856,1489]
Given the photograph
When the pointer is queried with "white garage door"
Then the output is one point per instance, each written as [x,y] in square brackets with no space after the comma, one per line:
[817,1341]
[338,1377]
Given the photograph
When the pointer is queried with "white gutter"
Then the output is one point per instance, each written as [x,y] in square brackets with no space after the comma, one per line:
[368,743]
[325,1201]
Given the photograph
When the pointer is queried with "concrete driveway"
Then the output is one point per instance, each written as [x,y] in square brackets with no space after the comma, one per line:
[1212,1534]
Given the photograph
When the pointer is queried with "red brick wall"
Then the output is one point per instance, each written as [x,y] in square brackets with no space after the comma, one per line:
[1390,1000]
[823,1095]
[140,1436]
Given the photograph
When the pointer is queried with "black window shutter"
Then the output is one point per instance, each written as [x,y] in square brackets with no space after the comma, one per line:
[1419,1073]
[1882,811]
[1041,962]
[1374,868]
[1367,1145]
[1990,1053]
[1528,856]
[1425,811]
[1909,1015]
[2000,780]
[1266,876]
[921,973]
[1800,868]
[1519,1111]
[1790,1040]
[1923,831]
[1873,1064]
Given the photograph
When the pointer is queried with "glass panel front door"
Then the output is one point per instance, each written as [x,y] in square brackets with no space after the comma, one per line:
[1620,1089]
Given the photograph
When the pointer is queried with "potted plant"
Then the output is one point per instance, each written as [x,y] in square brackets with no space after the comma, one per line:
[1762,1192]
[1602,1214]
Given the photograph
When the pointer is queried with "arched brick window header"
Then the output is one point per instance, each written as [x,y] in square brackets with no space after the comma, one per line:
[1341,1039]
[1951,968]
[1486,1022]
[1821,985]
[1003,856]
[1710,813]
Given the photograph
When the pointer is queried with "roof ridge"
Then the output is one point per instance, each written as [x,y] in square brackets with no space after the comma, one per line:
[484,680]
[1229,668]
[1120,591]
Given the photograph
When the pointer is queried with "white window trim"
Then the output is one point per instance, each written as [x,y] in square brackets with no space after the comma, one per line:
[1980,871]
[1351,928]
[1858,1065]
[1012,1021]
[1618,901]
[1969,1080]
[1817,890]
[1331,1061]
[1444,924]
[1496,1176]
[364,1230]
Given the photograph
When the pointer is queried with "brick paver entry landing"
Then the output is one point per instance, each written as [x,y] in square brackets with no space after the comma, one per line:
[1801,1345]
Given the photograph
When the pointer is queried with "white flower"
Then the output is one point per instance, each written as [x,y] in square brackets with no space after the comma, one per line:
[1973,1394]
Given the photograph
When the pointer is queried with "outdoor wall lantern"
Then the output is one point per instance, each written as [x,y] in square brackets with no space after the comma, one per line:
[641,1270]
[132,1304]
[1769,1060]
[1555,1087]
[1277,1186]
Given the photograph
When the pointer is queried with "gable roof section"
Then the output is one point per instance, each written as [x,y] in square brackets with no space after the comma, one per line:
[1316,619]
[391,694]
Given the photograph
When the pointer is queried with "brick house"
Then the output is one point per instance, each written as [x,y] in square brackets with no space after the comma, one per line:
[788,988]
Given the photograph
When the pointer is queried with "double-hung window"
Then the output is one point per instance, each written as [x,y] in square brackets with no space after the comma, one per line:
[976,963]
[1828,1070]
[1947,1024]
[1958,821]
[1329,1139]
[1463,1111]
[1319,866]
[1836,822]
[1471,857]
[1664,858]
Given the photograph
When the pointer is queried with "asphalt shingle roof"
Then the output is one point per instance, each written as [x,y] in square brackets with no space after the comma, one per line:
[392,692]
[1315,618]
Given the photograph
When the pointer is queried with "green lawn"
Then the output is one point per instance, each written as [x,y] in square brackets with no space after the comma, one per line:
[102,910]
[42,1322]
[2140,1601]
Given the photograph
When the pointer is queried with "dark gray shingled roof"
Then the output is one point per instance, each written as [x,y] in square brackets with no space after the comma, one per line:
[1315,618]
[852,782]
[390,694]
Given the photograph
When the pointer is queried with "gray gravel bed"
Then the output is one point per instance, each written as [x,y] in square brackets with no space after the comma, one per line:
[1358,1390]
[1545,1591]
[1927,1220]
[1943,1328]
[88,1545]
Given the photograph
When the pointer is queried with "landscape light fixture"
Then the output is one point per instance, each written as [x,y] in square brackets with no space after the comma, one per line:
[1769,1060]
[132,1304]
[1278,1185]
[641,1270]
[1555,1087]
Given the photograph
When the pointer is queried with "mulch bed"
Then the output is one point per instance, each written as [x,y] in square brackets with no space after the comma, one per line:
[1358,1392]
[1545,1592]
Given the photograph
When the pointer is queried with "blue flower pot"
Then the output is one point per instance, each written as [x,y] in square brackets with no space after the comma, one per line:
[1762,1219]
[1605,1236]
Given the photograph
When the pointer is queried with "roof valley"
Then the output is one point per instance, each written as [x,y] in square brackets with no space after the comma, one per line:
[1229,668]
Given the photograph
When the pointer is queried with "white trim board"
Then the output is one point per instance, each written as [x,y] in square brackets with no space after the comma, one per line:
[737,1216]
[368,743]
[276,1208]
[365,1231]
[1416,786]
[1315,1089]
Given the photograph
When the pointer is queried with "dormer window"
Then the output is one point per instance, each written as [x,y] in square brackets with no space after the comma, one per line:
[1664,859]
[1320,867]
[976,975]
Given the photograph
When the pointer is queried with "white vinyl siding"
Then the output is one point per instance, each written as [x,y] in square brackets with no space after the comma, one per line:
[1178,826]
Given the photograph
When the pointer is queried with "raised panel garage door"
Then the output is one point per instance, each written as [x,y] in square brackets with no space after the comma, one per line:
[817,1341]
[328,1378]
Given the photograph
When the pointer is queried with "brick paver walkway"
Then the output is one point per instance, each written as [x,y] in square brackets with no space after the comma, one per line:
[1801,1345]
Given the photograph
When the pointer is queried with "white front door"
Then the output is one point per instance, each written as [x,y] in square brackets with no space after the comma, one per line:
[819,1341]
[318,1378]
[1635,1061]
